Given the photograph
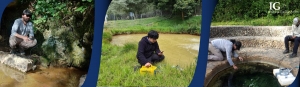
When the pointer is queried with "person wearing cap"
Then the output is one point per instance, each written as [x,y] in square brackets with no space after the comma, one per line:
[217,46]
[294,37]
[148,50]
[22,34]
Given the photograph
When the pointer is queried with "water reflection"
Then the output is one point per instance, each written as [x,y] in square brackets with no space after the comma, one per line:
[12,73]
[248,75]
[40,77]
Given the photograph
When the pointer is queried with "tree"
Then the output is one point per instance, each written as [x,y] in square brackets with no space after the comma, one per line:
[117,7]
[185,8]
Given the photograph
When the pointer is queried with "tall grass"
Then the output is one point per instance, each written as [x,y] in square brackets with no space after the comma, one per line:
[117,69]
[118,62]
[160,24]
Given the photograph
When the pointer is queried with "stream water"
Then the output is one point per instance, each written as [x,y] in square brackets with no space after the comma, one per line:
[41,77]
[179,49]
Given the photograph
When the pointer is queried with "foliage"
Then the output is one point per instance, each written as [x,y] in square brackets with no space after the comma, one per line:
[139,6]
[178,7]
[66,27]
[228,10]
[117,7]
[184,8]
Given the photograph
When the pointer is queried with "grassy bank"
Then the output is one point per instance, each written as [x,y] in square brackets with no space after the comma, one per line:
[117,63]
[117,68]
[265,21]
[163,25]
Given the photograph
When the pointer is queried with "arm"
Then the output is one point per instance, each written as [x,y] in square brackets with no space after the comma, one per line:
[141,51]
[293,29]
[31,33]
[298,35]
[15,29]
[228,54]
[157,50]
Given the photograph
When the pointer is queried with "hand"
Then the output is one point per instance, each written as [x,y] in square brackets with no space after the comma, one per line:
[26,39]
[234,67]
[241,59]
[148,64]
[293,37]
[160,53]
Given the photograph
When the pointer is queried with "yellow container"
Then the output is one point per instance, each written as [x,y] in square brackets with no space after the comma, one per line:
[147,70]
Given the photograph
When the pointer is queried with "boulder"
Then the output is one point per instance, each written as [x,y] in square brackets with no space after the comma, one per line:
[21,63]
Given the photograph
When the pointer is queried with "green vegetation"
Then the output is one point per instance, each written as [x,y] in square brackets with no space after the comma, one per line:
[117,68]
[182,8]
[165,16]
[161,24]
[63,28]
[257,13]
[118,62]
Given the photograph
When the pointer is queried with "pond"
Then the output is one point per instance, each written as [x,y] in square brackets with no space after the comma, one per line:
[40,77]
[179,49]
[248,75]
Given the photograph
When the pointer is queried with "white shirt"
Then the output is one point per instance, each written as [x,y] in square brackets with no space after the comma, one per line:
[296,30]
[225,46]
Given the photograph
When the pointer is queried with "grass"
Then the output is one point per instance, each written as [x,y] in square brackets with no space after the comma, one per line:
[264,21]
[117,69]
[163,25]
[118,62]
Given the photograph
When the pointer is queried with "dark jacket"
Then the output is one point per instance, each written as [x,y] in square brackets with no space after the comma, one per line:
[146,49]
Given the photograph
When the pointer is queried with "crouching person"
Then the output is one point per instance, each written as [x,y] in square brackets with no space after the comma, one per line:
[22,34]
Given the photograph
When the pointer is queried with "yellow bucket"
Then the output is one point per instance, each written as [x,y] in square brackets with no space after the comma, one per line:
[148,70]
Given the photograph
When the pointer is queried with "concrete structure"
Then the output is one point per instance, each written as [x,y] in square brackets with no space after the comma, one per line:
[263,44]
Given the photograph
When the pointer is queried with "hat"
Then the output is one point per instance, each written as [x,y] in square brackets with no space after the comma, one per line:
[295,20]
[238,45]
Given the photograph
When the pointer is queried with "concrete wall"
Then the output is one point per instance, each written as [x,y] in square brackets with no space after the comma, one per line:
[232,31]
[263,44]
[254,36]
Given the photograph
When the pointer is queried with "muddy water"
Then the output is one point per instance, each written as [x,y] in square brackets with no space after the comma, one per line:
[179,49]
[41,77]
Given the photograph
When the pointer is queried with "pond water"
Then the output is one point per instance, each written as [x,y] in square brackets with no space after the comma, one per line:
[179,49]
[40,77]
[248,75]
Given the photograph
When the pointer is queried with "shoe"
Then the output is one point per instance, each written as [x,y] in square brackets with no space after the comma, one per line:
[22,52]
[293,55]
[286,51]
[12,51]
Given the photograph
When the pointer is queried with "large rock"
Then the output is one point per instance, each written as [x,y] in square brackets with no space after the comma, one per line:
[21,63]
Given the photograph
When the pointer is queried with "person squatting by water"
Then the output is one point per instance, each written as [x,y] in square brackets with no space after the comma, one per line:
[217,46]
[148,50]
[22,34]
[294,37]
